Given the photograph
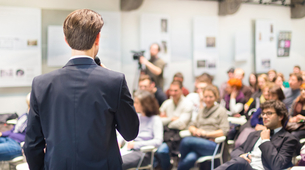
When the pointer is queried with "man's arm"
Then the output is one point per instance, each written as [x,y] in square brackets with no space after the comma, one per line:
[34,140]
[150,66]
[126,117]
[282,158]
[184,118]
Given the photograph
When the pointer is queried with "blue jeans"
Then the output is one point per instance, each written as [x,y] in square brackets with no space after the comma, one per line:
[163,156]
[9,149]
[191,148]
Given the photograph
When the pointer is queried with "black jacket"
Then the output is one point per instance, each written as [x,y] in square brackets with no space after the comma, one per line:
[75,111]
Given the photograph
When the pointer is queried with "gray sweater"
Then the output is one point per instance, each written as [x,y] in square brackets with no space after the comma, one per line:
[212,119]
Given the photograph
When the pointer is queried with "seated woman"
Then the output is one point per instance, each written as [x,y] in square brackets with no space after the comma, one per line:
[256,98]
[234,99]
[270,92]
[297,113]
[150,130]
[211,122]
[10,140]
[253,83]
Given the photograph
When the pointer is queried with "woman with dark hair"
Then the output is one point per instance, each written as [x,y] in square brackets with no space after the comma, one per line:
[253,82]
[297,113]
[211,122]
[150,130]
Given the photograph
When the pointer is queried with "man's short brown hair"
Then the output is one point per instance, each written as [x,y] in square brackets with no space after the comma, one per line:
[145,77]
[298,76]
[179,75]
[176,82]
[279,108]
[81,28]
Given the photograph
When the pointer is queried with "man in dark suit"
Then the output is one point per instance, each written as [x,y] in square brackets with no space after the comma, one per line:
[76,110]
[269,149]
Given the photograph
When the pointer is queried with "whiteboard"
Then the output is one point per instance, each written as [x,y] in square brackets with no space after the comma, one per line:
[109,49]
[20,46]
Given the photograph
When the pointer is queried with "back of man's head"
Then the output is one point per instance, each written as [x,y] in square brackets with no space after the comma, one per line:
[81,28]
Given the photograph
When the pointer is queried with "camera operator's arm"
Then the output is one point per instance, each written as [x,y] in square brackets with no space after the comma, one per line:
[152,68]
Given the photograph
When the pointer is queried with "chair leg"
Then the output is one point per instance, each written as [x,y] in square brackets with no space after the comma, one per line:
[221,160]
[212,164]
[141,160]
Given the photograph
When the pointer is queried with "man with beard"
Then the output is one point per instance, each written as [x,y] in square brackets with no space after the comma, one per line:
[154,66]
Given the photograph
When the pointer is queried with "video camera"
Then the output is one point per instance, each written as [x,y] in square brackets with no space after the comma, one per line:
[137,54]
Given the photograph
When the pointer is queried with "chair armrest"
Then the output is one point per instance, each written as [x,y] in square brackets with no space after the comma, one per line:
[147,148]
[12,121]
[185,133]
[302,140]
[220,139]
[235,120]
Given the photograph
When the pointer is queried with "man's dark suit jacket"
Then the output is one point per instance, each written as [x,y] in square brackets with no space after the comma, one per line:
[76,111]
[276,153]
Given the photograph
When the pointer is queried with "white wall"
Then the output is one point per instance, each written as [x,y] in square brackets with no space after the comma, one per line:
[181,13]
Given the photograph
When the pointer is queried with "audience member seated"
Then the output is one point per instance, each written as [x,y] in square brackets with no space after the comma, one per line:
[254,101]
[234,103]
[295,81]
[150,130]
[196,97]
[269,149]
[253,82]
[270,92]
[10,140]
[179,77]
[211,122]
[239,74]
[222,88]
[280,81]
[146,83]
[297,114]
[303,76]
[175,114]
[297,69]
[234,99]
[272,75]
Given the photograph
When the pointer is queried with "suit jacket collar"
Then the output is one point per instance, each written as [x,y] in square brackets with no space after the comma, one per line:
[276,137]
[80,61]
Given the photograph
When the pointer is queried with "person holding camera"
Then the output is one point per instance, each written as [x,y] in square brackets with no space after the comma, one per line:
[154,66]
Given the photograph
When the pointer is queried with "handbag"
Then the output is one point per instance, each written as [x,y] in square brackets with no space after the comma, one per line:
[295,126]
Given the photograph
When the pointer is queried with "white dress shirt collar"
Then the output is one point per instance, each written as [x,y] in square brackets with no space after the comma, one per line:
[80,56]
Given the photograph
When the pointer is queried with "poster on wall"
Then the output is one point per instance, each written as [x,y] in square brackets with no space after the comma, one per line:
[20,46]
[284,41]
[205,45]
[155,28]
[265,45]
[109,49]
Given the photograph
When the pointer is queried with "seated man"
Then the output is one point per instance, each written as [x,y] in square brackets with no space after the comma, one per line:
[295,81]
[178,76]
[269,149]
[175,114]
[146,83]
[10,140]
